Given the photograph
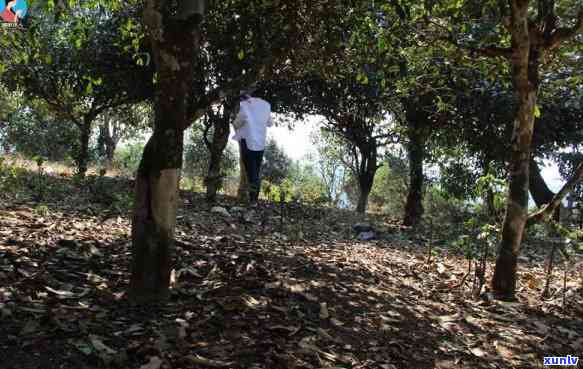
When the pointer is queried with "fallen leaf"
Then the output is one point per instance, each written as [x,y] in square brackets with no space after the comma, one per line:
[478,352]
[199,360]
[100,346]
[154,363]
[324,314]
[30,327]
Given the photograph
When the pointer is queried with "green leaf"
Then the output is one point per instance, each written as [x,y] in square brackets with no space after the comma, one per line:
[537,111]
[241,55]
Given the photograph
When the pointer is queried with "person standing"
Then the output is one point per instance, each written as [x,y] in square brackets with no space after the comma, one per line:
[251,124]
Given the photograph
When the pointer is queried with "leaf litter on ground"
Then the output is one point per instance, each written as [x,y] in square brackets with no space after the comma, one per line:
[252,294]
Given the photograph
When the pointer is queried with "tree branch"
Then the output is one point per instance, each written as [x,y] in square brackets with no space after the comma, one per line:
[564,34]
[488,51]
[546,211]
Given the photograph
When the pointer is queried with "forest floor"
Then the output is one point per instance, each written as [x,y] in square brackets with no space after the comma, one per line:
[255,291]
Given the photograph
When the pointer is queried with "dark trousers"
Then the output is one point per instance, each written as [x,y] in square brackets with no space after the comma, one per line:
[252,161]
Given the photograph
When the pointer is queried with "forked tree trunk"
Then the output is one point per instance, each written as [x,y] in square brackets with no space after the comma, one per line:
[414,205]
[366,176]
[214,178]
[174,44]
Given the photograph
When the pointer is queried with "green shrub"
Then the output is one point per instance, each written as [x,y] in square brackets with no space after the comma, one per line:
[127,158]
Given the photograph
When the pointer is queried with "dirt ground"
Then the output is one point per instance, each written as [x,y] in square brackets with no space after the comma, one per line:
[258,291]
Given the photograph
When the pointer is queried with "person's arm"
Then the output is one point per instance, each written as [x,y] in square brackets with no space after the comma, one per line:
[240,120]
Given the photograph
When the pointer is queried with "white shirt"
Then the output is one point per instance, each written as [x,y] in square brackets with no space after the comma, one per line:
[252,121]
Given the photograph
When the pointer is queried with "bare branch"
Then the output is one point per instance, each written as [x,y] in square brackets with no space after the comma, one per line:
[546,211]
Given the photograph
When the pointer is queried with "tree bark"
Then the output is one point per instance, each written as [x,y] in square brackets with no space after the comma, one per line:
[109,141]
[504,279]
[174,44]
[529,42]
[216,148]
[364,192]
[82,157]
[416,153]
[524,62]
[367,171]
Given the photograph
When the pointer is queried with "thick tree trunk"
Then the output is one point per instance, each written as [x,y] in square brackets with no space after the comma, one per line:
[366,176]
[82,159]
[414,204]
[217,147]
[108,141]
[154,216]
[529,41]
[504,279]
[174,44]
[524,63]
[364,192]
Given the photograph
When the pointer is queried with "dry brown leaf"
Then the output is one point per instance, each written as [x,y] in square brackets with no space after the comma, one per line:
[478,352]
[199,360]
[542,328]
[324,314]
[154,363]
[100,346]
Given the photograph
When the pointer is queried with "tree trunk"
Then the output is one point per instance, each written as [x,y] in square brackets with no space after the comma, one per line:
[108,142]
[82,159]
[524,63]
[217,147]
[414,204]
[368,169]
[154,215]
[364,192]
[174,44]
[528,44]
[504,279]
